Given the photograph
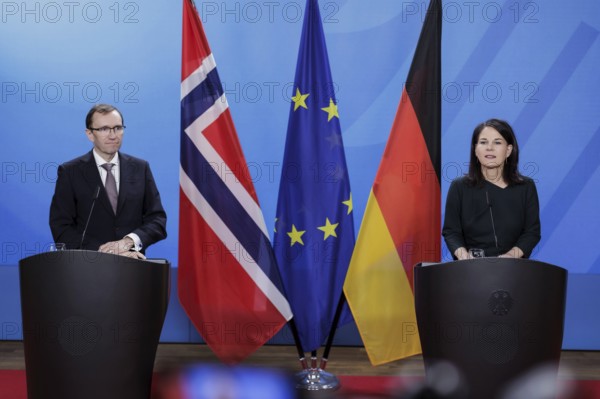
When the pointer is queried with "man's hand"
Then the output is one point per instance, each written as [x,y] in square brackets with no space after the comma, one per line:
[121,247]
[134,255]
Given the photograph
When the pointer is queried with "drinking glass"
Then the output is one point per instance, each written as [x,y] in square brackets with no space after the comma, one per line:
[57,246]
[476,253]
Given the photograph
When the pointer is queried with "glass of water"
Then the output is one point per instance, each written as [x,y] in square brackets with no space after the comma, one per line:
[476,253]
[57,246]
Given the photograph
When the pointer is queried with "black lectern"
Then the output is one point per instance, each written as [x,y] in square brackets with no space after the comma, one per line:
[91,324]
[493,318]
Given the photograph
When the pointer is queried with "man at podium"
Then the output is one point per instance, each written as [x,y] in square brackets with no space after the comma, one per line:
[493,208]
[106,200]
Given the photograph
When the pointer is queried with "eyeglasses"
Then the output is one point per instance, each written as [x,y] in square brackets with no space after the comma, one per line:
[105,129]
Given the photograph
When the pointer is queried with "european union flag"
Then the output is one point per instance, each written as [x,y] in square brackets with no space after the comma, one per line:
[314,230]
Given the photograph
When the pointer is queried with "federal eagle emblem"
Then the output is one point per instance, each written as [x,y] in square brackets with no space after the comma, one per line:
[500,302]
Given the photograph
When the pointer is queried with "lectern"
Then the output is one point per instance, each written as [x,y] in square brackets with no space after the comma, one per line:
[91,324]
[494,319]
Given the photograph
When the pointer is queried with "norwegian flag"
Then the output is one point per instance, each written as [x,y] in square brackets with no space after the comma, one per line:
[229,283]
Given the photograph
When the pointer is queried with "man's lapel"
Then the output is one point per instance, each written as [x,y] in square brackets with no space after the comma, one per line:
[93,180]
[128,175]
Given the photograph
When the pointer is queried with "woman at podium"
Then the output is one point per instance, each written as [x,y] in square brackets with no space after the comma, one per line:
[493,208]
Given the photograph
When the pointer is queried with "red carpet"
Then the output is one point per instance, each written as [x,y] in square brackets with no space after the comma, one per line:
[373,386]
[13,386]
[366,387]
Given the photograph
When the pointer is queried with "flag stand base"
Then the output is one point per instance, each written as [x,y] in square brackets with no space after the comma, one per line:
[316,380]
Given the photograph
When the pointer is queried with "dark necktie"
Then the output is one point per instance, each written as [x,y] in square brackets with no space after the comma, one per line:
[111,186]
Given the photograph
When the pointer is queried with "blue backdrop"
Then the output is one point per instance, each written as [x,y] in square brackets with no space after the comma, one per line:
[532,63]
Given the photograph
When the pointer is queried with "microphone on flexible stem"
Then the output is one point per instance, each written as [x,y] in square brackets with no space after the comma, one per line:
[96,195]
[487,198]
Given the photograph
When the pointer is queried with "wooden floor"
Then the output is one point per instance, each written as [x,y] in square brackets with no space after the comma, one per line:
[343,360]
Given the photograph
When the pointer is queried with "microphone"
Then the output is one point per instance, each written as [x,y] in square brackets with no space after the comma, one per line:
[487,198]
[96,195]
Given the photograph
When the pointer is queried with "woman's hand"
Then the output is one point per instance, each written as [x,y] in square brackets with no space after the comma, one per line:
[462,254]
[514,252]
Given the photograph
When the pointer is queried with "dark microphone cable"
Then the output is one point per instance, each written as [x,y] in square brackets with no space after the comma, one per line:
[492,218]
[96,195]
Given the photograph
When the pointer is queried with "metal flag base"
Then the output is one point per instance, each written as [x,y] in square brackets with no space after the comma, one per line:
[316,380]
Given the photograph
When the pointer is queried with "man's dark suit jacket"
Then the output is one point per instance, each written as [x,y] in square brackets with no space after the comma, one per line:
[139,209]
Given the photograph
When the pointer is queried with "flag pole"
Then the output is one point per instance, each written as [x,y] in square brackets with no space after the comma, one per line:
[313,378]
[301,357]
[316,378]
[334,325]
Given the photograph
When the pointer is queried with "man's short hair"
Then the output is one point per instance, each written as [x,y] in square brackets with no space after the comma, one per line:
[101,109]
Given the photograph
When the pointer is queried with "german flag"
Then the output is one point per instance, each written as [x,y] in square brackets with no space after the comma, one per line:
[401,225]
